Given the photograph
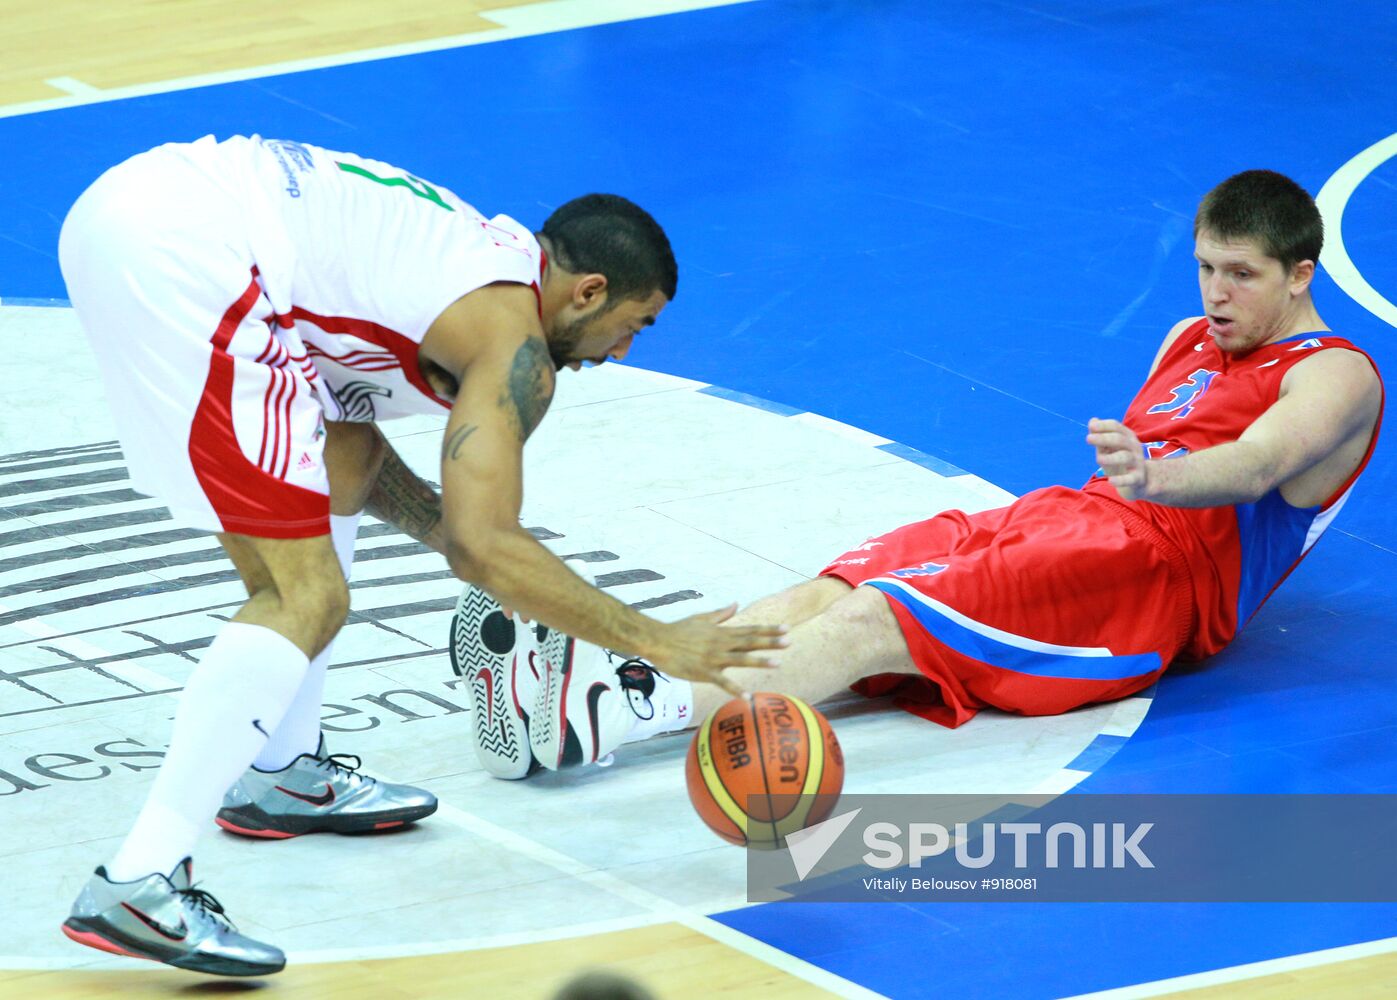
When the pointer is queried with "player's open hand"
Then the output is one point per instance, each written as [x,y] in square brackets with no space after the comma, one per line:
[1120,456]
[700,648]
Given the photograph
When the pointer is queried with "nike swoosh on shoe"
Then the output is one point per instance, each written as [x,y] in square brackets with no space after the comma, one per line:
[315,800]
[594,694]
[174,934]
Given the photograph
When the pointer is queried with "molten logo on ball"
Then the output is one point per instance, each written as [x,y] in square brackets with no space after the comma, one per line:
[788,741]
[762,769]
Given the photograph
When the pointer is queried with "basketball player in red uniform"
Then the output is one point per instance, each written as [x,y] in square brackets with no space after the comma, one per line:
[1236,454]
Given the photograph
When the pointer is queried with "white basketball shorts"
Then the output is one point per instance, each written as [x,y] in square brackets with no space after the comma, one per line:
[213,400]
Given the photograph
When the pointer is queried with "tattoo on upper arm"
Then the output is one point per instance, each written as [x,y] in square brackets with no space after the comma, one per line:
[530,388]
[451,447]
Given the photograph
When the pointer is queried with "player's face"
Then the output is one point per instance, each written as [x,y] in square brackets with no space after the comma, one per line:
[1250,299]
[603,334]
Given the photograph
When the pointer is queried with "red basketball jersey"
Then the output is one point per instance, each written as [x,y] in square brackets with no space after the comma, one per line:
[1198,397]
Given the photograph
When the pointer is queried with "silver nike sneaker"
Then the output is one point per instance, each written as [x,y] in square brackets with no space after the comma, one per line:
[588,702]
[496,655]
[319,793]
[167,920]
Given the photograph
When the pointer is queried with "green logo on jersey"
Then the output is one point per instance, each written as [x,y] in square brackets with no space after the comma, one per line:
[416,185]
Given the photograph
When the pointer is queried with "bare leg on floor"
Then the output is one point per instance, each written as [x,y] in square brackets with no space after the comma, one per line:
[839,635]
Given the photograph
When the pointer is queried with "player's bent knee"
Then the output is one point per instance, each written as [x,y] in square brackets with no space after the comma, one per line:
[315,608]
[326,603]
[864,619]
[866,608]
[824,590]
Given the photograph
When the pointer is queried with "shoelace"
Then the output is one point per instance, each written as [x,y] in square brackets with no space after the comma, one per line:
[340,762]
[204,901]
[635,672]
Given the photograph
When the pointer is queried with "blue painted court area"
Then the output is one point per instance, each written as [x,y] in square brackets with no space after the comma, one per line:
[965,227]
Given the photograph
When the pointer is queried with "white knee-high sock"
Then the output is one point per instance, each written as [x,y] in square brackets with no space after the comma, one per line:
[299,731]
[236,695]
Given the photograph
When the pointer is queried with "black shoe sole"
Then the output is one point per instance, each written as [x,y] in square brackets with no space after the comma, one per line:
[251,821]
[104,939]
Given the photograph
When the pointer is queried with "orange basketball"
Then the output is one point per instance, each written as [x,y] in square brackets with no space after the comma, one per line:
[762,769]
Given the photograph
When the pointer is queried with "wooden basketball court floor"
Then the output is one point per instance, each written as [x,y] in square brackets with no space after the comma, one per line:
[753,447]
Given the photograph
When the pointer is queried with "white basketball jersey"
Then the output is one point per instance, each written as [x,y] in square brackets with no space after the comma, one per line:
[358,258]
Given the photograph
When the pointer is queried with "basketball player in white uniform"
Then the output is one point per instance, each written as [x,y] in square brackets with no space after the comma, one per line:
[255,306]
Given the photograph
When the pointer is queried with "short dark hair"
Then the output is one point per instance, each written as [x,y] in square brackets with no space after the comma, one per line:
[607,234]
[1267,207]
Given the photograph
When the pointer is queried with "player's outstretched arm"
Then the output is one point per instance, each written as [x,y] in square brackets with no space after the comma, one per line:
[506,384]
[1325,415]
[402,498]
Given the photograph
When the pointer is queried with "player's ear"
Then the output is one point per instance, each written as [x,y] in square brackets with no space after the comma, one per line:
[1301,274]
[589,290]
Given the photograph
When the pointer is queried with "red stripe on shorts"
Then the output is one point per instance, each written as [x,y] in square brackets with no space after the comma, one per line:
[286,429]
[244,497]
[266,420]
[274,425]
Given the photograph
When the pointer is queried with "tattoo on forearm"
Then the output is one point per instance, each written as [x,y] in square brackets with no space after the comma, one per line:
[451,448]
[530,388]
[401,498]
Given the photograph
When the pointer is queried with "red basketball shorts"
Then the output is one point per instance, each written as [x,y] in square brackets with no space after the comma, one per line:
[212,402]
[1059,600]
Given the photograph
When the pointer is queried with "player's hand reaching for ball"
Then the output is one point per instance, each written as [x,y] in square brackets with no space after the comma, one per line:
[1120,456]
[700,648]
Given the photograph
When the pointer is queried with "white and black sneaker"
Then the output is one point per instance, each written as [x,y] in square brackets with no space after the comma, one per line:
[497,657]
[588,703]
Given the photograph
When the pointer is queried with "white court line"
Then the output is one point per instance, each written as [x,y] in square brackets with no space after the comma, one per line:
[356,954]
[18,963]
[1060,783]
[75,87]
[847,431]
[658,910]
[1238,973]
[519,22]
[1332,199]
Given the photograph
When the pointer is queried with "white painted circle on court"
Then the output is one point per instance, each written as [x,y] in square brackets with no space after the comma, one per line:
[1332,199]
